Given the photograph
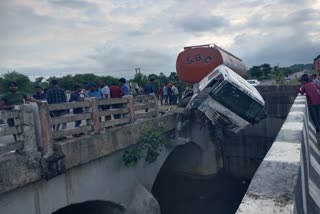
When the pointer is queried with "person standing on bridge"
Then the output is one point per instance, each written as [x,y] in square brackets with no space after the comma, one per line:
[151,88]
[94,91]
[57,95]
[116,92]
[39,95]
[76,97]
[124,86]
[13,99]
[312,92]
[105,93]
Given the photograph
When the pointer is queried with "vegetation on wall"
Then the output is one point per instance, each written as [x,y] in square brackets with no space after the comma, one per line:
[150,144]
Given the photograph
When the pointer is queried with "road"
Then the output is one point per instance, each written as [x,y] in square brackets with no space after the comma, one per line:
[291,76]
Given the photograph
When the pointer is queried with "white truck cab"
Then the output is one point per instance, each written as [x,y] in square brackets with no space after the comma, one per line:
[227,100]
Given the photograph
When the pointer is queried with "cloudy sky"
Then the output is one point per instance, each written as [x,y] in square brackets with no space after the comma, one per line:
[112,37]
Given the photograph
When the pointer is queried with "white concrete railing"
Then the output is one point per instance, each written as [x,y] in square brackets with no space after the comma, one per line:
[97,115]
[145,106]
[288,179]
[21,134]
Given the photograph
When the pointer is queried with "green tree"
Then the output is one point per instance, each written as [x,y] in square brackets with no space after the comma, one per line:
[141,79]
[266,70]
[163,78]
[22,80]
[279,75]
[173,77]
[255,72]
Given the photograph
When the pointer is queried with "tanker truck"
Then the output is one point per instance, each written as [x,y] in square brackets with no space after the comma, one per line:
[219,91]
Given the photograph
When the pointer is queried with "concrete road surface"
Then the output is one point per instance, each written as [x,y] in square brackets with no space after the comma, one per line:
[291,76]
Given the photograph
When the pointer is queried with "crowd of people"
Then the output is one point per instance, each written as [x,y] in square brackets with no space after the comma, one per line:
[14,98]
[168,94]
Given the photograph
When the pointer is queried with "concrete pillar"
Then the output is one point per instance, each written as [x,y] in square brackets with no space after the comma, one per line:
[211,155]
[29,134]
[94,102]
[156,105]
[201,157]
[46,133]
[131,108]
[143,202]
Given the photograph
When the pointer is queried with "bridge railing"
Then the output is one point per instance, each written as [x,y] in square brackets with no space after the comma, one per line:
[68,117]
[146,106]
[17,130]
[96,115]
[115,111]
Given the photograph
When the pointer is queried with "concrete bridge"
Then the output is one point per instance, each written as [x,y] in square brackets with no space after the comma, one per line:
[44,173]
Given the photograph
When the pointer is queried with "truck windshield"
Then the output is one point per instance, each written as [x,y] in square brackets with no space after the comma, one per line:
[237,101]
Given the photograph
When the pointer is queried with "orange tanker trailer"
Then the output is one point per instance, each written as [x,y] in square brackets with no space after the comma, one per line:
[195,62]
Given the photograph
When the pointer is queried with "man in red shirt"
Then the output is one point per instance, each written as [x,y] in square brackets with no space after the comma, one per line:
[313,97]
[116,92]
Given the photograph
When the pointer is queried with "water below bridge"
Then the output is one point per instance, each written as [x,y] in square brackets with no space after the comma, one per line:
[179,194]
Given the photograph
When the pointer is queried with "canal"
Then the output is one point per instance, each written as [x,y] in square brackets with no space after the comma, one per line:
[180,194]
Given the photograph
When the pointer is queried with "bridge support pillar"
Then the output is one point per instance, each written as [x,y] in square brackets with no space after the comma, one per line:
[210,159]
[143,202]
[201,156]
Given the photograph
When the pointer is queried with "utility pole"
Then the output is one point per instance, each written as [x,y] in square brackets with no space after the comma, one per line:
[137,70]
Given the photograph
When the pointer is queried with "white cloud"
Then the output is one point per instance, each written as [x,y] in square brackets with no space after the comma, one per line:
[70,36]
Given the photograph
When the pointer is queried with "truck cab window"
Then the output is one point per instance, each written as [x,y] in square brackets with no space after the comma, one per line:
[237,101]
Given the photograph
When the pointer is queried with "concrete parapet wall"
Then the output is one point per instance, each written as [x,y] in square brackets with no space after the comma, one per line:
[243,152]
[287,181]
[19,170]
[88,148]
[278,99]
[95,171]
[105,179]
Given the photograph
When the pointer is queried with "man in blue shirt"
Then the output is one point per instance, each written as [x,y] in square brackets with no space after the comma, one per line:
[151,88]
[94,91]
[124,86]
[39,95]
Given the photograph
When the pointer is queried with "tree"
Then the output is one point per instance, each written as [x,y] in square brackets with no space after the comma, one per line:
[163,78]
[38,81]
[173,77]
[255,72]
[141,79]
[266,70]
[279,75]
[22,80]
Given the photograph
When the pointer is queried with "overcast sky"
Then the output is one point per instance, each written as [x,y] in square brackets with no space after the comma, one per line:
[111,37]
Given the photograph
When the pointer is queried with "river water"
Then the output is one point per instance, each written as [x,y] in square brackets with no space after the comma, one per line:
[179,194]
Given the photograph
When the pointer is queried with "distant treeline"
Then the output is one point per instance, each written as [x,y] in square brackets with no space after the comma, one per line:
[265,71]
[67,82]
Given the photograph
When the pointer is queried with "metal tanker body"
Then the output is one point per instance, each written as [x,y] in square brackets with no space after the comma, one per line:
[219,90]
[195,62]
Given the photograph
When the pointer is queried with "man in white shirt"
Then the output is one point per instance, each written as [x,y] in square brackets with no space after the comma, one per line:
[105,91]
[175,93]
